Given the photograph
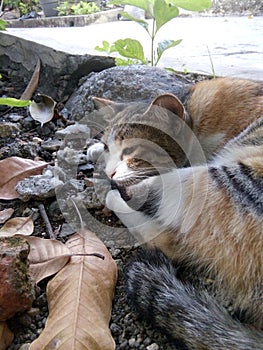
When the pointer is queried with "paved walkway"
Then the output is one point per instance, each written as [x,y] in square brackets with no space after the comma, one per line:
[235,43]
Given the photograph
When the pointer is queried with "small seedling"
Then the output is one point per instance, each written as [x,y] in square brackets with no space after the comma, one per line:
[161,12]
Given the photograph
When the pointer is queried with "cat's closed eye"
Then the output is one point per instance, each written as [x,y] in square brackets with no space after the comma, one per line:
[128,150]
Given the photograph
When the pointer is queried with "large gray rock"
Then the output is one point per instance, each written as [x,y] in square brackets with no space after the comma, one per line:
[125,84]
[60,71]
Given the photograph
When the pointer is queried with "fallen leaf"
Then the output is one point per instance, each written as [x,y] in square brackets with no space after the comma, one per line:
[80,299]
[6,336]
[19,225]
[46,257]
[6,214]
[15,169]
[42,110]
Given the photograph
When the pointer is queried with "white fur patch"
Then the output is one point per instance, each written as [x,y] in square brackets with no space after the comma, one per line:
[95,151]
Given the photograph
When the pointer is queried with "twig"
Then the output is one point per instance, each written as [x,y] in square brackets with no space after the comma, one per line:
[45,218]
[32,85]
[1,7]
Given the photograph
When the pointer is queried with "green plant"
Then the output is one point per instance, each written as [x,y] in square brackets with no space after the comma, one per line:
[85,8]
[161,12]
[66,8]
[2,24]
[24,7]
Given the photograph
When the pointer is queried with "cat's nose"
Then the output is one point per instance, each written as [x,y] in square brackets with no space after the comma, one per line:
[112,174]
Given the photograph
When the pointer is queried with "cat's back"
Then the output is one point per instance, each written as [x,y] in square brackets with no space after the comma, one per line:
[225,105]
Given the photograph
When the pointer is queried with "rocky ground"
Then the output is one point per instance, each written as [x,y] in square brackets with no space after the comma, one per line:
[21,136]
[25,138]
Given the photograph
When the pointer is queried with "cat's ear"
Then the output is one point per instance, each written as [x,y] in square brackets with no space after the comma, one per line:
[100,102]
[172,104]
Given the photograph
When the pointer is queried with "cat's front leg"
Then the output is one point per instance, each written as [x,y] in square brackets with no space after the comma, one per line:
[130,210]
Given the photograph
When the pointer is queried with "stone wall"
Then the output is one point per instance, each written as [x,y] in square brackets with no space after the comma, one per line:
[245,7]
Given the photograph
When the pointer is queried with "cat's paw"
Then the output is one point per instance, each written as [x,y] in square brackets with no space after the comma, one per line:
[116,203]
[95,151]
[143,227]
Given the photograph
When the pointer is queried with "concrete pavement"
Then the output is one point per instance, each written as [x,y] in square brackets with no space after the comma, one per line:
[234,44]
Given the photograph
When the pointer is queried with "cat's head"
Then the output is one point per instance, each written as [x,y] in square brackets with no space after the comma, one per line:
[144,139]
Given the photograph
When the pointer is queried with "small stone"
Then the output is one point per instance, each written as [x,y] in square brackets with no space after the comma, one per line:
[25,320]
[37,140]
[24,149]
[8,129]
[66,230]
[25,346]
[16,288]
[51,145]
[38,186]
[33,311]
[124,345]
[132,341]
[76,129]
[153,346]
[28,123]
[115,329]
[86,168]
[14,117]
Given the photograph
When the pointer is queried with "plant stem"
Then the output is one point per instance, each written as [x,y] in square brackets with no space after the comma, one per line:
[1,7]
[152,42]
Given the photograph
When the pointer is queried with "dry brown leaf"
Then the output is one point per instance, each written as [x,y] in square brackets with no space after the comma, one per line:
[19,225]
[6,214]
[6,336]
[80,299]
[15,169]
[42,110]
[32,85]
[46,257]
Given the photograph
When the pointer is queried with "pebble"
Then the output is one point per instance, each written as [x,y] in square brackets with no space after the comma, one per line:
[51,145]
[153,346]
[14,117]
[25,346]
[77,128]
[38,186]
[134,343]
[8,129]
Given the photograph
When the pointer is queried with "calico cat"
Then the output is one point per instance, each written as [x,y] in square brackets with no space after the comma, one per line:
[191,133]
[209,217]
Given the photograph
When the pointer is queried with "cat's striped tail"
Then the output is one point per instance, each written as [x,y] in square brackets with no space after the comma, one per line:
[182,312]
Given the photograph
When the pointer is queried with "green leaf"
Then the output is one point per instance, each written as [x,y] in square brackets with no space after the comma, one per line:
[13,102]
[104,48]
[165,45]
[143,23]
[163,12]
[142,4]
[2,24]
[122,62]
[130,48]
[192,5]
